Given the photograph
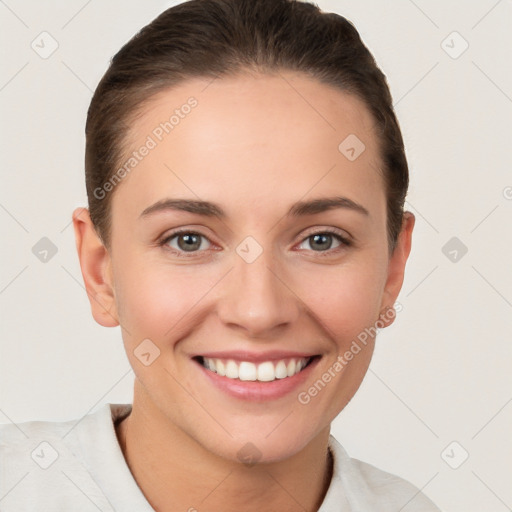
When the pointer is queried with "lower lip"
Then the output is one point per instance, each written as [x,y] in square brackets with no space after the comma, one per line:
[257,391]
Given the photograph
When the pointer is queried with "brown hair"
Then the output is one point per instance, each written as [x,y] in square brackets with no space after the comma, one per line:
[215,38]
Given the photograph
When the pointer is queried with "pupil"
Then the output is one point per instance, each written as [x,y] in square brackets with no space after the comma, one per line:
[324,238]
[190,242]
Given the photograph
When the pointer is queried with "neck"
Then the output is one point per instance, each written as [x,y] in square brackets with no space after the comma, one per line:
[176,473]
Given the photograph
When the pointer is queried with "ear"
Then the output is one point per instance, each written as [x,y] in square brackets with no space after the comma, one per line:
[396,268]
[95,263]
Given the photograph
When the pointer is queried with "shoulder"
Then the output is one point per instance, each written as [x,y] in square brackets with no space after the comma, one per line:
[31,442]
[42,464]
[369,488]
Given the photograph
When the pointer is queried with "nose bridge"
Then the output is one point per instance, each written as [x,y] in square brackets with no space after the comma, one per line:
[256,299]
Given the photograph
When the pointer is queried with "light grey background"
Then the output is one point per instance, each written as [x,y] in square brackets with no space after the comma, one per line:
[440,374]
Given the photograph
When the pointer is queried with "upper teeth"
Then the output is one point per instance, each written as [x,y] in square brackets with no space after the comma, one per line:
[265,372]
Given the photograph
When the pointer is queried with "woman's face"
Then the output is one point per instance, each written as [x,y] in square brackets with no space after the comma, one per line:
[264,272]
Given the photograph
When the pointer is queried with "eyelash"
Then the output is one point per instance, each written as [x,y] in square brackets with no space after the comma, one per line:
[345,242]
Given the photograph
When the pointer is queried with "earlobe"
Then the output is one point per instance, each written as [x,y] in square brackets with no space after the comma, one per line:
[396,269]
[95,263]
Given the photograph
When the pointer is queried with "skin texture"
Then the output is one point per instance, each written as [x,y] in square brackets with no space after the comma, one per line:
[255,144]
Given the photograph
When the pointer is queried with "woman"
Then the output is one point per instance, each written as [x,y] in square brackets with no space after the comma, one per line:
[246,178]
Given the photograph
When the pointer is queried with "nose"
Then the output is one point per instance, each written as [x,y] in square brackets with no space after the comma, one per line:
[257,299]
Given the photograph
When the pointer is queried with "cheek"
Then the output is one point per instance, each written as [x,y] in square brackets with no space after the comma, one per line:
[344,299]
[345,302]
[159,301]
[156,303]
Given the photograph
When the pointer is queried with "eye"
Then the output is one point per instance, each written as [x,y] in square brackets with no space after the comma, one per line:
[185,242]
[322,241]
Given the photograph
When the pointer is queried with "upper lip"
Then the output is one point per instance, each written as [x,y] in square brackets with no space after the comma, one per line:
[256,357]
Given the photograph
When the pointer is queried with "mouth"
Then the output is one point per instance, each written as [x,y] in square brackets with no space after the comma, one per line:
[258,379]
[265,371]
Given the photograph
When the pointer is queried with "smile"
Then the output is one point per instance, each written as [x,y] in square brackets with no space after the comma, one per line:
[265,371]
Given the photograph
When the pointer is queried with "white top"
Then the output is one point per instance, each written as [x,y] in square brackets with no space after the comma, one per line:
[79,466]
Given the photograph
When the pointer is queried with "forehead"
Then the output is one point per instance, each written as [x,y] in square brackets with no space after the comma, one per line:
[252,139]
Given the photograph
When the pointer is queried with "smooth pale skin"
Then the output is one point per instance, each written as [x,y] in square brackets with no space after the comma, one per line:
[255,144]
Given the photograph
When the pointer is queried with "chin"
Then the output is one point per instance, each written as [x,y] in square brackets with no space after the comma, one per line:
[262,446]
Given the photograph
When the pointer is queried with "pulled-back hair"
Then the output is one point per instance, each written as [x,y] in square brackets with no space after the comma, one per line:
[216,38]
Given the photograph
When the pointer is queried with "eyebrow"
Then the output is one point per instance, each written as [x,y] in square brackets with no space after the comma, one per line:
[298,209]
